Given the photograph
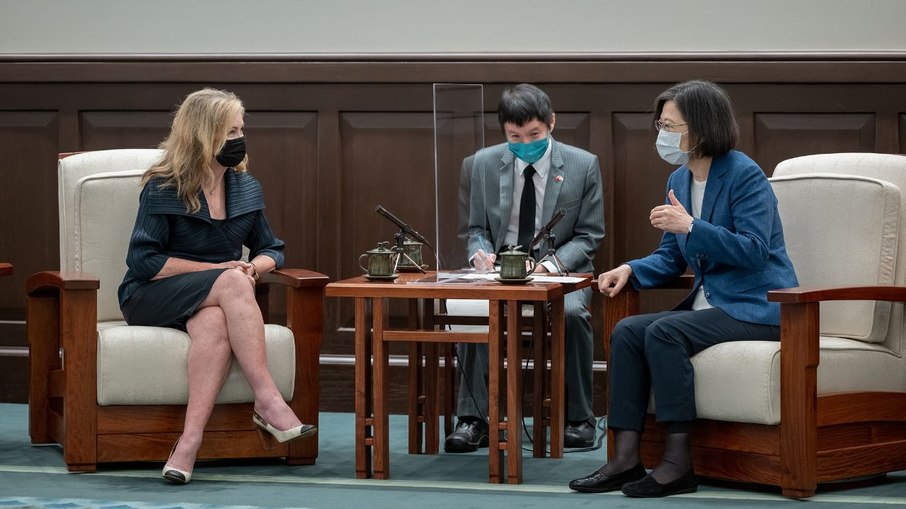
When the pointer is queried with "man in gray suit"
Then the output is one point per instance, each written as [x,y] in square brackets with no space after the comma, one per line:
[514,190]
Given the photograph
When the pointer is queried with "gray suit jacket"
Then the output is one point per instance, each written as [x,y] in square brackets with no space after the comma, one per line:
[574,184]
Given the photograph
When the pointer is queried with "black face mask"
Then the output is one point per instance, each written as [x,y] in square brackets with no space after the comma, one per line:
[232,153]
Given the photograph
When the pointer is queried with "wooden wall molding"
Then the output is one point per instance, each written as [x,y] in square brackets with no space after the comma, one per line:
[331,137]
[400,68]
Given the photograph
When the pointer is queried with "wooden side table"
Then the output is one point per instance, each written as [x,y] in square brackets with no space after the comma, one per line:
[372,415]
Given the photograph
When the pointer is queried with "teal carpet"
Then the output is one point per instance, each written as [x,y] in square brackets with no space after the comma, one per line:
[36,477]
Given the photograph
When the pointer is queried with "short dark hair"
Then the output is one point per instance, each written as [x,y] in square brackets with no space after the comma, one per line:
[523,103]
[709,114]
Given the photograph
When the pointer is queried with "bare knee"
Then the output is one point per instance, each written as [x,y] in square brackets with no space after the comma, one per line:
[209,324]
[232,284]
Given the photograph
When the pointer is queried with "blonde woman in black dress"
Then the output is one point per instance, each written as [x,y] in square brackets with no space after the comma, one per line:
[198,208]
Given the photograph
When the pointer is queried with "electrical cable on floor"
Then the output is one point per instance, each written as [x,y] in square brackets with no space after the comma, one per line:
[465,379]
[599,439]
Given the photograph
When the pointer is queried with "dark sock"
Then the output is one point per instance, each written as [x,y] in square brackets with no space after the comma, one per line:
[626,446]
[471,419]
[677,458]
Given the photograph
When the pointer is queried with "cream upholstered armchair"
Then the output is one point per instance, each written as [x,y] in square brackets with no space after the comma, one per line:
[108,392]
[828,402]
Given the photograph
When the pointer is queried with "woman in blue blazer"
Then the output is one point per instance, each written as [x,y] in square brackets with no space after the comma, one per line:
[719,218]
[196,211]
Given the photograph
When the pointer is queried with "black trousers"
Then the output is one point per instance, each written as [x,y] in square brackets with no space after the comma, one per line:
[654,351]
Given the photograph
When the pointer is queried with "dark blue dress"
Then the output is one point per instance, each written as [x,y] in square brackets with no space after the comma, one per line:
[164,229]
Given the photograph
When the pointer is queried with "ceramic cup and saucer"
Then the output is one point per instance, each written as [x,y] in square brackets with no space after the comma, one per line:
[515,267]
[380,263]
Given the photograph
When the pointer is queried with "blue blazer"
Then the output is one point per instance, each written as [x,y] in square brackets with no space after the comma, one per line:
[736,249]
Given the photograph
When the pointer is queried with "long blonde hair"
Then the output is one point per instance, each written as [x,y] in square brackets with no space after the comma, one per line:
[199,130]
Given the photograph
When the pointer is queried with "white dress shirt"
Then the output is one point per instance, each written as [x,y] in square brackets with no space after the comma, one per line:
[542,167]
[698,196]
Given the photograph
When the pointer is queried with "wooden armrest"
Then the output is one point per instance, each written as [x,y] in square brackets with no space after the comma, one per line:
[6,269]
[61,321]
[42,281]
[800,324]
[801,295]
[626,303]
[299,284]
[295,278]
[683,282]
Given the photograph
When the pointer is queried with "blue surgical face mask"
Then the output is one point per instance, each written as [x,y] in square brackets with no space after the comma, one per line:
[529,152]
[668,147]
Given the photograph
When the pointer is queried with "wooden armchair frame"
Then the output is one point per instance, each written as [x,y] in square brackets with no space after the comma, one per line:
[820,439]
[63,408]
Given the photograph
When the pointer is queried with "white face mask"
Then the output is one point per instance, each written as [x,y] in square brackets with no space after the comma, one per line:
[668,147]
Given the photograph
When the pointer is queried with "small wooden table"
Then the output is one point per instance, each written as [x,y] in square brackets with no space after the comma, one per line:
[371,398]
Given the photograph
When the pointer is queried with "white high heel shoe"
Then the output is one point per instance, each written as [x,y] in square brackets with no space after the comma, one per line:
[296,433]
[175,475]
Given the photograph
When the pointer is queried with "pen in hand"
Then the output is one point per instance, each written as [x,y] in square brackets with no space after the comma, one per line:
[483,262]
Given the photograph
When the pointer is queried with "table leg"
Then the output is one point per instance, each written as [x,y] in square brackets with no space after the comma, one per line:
[432,406]
[416,398]
[363,435]
[495,369]
[431,380]
[514,392]
[558,369]
[416,387]
[540,421]
[449,391]
[443,394]
[381,392]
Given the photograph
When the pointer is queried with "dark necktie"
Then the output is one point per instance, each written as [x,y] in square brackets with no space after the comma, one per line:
[527,209]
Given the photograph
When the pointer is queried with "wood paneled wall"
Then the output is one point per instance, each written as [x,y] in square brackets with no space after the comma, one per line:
[331,139]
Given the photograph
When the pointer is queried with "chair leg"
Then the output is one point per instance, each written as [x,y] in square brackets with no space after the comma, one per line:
[798,403]
[43,329]
[305,317]
[78,317]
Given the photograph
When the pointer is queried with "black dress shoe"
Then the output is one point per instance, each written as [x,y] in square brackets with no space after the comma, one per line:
[470,434]
[579,434]
[599,482]
[650,488]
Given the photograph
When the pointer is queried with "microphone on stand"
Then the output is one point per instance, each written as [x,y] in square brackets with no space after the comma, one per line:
[403,226]
[546,229]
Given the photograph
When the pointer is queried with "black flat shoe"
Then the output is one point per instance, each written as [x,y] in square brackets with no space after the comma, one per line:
[649,488]
[581,434]
[599,482]
[469,435]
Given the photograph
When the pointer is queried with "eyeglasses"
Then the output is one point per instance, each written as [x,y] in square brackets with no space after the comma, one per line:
[664,126]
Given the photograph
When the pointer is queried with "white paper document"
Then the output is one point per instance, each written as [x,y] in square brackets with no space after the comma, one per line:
[556,279]
[538,278]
